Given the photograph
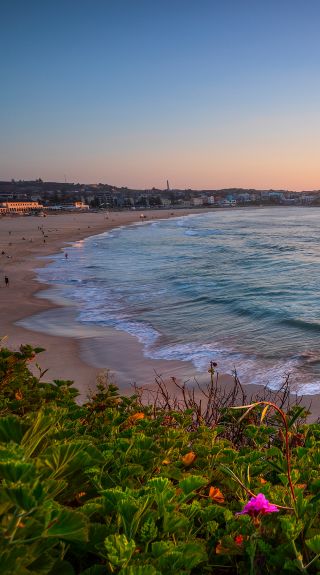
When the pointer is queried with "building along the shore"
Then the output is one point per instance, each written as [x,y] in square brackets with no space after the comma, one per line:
[19,207]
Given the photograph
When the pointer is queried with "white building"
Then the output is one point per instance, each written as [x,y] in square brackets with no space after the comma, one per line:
[197,201]
[19,207]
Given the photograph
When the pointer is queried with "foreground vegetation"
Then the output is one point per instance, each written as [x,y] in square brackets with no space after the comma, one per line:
[118,486]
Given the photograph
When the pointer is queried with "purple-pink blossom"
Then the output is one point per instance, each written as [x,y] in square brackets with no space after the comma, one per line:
[258,505]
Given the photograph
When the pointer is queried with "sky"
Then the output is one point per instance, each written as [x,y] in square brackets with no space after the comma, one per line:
[205,93]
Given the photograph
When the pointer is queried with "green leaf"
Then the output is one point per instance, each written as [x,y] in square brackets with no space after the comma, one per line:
[291,527]
[97,534]
[182,557]
[54,487]
[161,547]
[93,506]
[292,566]
[315,498]
[159,484]
[283,478]
[174,522]
[43,565]
[192,483]
[139,570]
[21,496]
[11,429]
[15,471]
[25,559]
[37,432]
[314,544]
[131,470]
[212,527]
[298,411]
[149,530]
[67,525]
[68,458]
[119,549]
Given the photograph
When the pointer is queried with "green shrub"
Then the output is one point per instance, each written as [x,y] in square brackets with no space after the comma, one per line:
[115,486]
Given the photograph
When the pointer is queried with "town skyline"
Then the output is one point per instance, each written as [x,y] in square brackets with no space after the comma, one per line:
[59,195]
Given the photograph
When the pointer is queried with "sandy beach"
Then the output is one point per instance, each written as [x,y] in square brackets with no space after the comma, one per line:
[74,352]
[78,355]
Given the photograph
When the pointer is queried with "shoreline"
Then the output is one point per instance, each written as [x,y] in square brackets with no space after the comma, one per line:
[74,352]
[29,248]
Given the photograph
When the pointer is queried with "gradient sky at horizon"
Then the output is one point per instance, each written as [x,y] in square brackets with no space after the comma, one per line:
[207,94]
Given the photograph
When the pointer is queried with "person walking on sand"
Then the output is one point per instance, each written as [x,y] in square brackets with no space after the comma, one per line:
[66,255]
[6,280]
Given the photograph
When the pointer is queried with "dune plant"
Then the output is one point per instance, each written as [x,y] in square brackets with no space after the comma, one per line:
[123,486]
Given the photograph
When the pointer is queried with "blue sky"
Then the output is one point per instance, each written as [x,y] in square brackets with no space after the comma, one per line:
[206,93]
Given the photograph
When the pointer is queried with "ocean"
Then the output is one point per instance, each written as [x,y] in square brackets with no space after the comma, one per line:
[239,287]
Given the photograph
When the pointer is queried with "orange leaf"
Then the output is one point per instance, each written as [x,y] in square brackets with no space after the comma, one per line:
[188,458]
[221,550]
[18,395]
[81,494]
[137,416]
[166,462]
[262,480]
[216,495]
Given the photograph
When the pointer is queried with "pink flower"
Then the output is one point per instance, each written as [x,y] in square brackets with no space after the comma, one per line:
[258,505]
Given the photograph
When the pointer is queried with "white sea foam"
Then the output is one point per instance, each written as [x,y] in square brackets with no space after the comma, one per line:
[192,276]
[199,354]
[249,370]
[145,334]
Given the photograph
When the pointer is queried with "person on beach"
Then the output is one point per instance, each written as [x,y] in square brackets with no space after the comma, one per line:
[6,280]
[66,255]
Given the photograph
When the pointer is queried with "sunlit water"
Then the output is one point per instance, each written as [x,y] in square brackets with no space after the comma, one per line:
[239,287]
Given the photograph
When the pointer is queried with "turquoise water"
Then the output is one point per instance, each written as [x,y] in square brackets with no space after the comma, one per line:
[239,287]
